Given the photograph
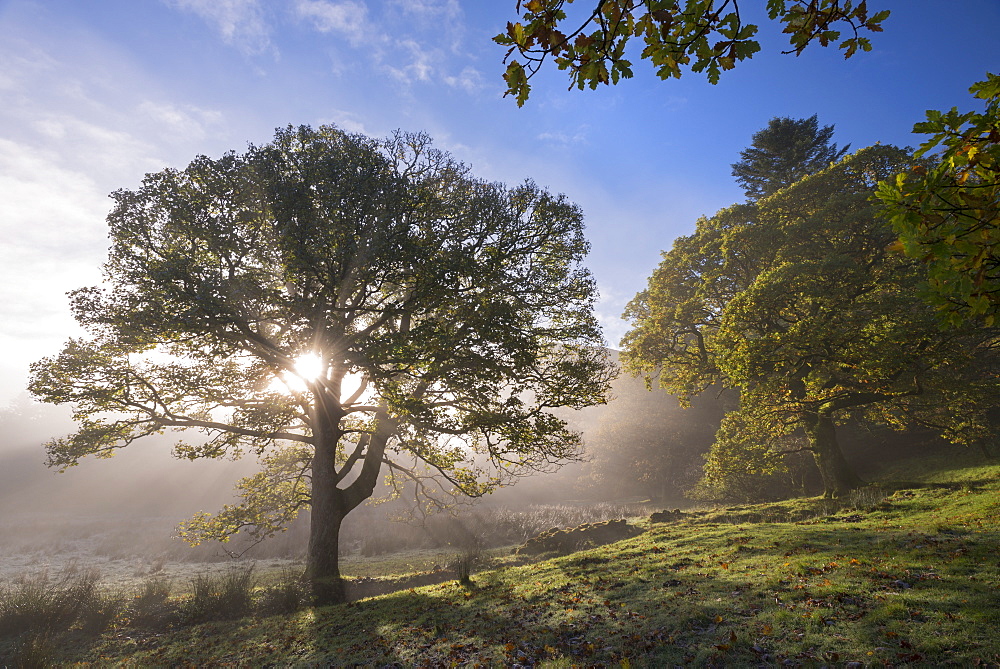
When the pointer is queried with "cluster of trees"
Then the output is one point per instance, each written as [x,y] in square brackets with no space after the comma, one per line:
[834,325]
[800,300]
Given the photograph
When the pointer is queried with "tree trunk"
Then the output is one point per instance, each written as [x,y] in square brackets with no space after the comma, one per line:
[327,507]
[323,560]
[331,504]
[838,476]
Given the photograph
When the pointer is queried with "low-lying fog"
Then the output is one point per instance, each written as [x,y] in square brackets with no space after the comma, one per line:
[120,514]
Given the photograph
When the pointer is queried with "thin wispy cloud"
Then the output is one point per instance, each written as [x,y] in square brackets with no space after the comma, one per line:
[412,41]
[430,8]
[240,23]
[564,138]
[403,41]
[443,19]
[675,103]
[469,79]
[348,18]
[421,63]
[186,121]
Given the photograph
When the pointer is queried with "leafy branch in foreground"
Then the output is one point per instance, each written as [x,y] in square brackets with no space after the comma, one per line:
[699,35]
[948,215]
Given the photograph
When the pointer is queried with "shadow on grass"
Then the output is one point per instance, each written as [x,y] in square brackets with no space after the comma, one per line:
[865,587]
[769,594]
[654,602]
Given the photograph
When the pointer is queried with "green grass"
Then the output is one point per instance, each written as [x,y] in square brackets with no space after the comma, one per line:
[909,576]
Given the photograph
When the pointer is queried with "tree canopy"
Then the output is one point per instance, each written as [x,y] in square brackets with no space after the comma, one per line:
[784,152]
[947,214]
[677,35]
[339,306]
[795,301]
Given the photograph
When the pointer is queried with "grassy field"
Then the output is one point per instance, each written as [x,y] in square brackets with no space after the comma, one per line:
[904,574]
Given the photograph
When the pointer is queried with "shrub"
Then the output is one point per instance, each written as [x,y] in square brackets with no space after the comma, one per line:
[32,651]
[150,607]
[287,595]
[100,609]
[221,596]
[37,603]
[464,563]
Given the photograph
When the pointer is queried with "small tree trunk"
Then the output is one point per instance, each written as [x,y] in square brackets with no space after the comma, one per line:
[838,476]
[327,508]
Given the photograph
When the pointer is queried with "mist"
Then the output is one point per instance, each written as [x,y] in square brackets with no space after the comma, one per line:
[126,508]
[642,452]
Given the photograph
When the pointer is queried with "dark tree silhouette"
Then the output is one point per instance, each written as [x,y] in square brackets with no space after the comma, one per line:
[784,152]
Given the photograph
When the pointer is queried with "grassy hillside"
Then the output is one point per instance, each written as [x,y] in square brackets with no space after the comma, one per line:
[905,575]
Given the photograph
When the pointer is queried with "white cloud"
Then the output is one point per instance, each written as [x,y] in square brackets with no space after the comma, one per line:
[347,17]
[239,22]
[421,65]
[38,192]
[52,223]
[469,79]
[346,120]
[564,139]
[186,121]
[77,122]
[610,305]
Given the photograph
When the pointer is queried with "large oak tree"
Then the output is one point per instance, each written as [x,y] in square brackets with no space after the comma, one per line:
[339,306]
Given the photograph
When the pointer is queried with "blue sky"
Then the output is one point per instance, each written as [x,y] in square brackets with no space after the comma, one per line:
[95,93]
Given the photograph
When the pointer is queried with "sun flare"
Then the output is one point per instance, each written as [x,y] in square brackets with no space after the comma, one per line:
[309,366]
